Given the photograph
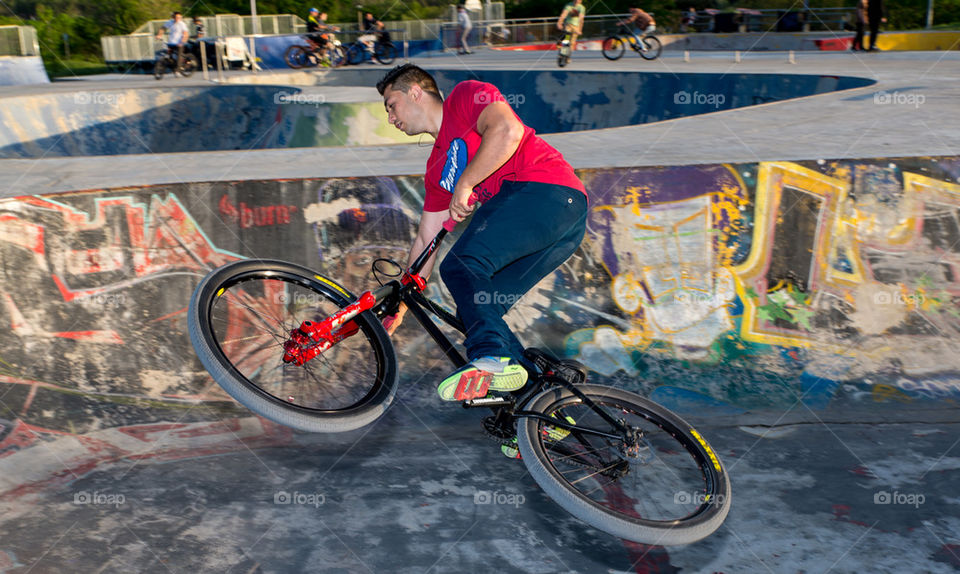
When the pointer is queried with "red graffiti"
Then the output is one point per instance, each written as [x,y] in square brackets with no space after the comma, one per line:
[261,216]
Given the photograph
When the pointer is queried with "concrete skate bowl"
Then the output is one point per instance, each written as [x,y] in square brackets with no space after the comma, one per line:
[727,292]
[243,117]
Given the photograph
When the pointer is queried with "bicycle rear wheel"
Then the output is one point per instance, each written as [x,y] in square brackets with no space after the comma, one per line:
[673,490]
[355,53]
[653,48]
[613,48]
[241,314]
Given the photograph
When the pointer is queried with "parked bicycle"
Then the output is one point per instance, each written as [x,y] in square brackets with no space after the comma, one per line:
[166,62]
[300,349]
[311,54]
[648,46]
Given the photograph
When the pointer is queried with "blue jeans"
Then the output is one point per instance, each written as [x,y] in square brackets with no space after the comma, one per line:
[514,240]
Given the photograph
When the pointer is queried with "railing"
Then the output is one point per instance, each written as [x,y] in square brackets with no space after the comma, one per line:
[19,41]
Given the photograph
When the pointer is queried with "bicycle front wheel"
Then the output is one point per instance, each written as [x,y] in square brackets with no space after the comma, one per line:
[239,318]
[653,48]
[671,490]
[296,57]
[385,53]
[613,48]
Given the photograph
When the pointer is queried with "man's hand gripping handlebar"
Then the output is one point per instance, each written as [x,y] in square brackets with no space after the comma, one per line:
[412,275]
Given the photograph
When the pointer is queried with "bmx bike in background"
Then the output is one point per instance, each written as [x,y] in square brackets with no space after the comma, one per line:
[301,350]
[383,51]
[311,54]
[166,62]
[647,46]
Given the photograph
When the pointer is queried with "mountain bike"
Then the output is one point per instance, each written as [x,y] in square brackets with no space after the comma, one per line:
[303,56]
[301,350]
[166,61]
[648,46]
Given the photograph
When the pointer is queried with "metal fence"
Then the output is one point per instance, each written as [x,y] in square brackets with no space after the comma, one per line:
[19,41]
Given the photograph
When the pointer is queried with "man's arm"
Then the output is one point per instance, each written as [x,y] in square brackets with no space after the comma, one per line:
[431,222]
[563,16]
[500,134]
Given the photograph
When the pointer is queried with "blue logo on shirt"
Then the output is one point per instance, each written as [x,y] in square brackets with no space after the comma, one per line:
[456,162]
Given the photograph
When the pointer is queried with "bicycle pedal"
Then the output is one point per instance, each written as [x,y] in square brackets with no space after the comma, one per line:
[473,385]
[490,401]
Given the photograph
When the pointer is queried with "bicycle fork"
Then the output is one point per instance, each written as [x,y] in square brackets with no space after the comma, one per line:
[312,338]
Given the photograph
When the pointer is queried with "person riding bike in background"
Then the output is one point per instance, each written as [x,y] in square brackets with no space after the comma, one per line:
[370,28]
[317,29]
[641,22]
[571,21]
[533,214]
[177,35]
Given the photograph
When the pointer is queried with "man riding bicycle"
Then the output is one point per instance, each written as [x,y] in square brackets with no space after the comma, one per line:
[532,218]
[177,36]
[318,30]
[642,22]
[571,21]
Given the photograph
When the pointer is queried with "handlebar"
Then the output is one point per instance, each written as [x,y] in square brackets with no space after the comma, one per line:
[451,223]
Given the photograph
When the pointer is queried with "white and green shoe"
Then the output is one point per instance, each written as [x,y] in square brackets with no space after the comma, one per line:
[482,375]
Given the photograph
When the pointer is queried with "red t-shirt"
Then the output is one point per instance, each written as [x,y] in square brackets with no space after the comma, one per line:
[457,143]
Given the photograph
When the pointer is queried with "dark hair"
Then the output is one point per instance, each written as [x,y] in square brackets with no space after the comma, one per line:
[402,77]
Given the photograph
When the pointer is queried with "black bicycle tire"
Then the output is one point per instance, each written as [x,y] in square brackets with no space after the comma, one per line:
[612,53]
[654,47]
[385,53]
[189,65]
[256,399]
[355,53]
[294,56]
[636,529]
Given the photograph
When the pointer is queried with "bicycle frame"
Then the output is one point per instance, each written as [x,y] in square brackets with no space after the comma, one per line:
[311,339]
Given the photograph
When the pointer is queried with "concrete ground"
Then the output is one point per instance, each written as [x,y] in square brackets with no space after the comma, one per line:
[402,496]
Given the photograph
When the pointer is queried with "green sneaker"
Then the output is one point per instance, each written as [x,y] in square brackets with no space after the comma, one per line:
[510,450]
[558,433]
[482,375]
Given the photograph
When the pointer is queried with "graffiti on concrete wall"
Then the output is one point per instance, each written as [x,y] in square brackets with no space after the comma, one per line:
[832,270]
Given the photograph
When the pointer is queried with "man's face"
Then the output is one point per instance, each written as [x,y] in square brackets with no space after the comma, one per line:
[404,110]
